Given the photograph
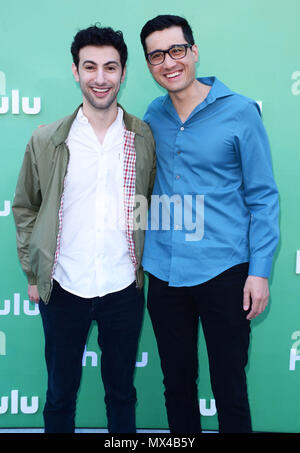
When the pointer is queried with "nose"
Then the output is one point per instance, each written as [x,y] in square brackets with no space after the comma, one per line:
[169,62]
[100,77]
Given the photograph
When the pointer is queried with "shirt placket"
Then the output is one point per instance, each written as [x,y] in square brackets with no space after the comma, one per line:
[101,215]
[176,221]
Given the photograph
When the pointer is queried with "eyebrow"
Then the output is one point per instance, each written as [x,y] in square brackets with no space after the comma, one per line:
[105,64]
[169,48]
[112,62]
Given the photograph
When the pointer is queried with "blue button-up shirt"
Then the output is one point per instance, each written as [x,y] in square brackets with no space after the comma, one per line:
[215,202]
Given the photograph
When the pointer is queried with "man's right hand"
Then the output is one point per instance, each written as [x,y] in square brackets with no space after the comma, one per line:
[33,293]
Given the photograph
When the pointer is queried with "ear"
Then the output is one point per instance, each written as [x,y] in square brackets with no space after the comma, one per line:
[75,72]
[123,74]
[195,52]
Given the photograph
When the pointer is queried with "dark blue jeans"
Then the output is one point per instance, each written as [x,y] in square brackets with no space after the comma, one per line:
[66,320]
[175,314]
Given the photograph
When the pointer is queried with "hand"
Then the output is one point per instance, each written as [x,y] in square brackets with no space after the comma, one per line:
[33,293]
[256,295]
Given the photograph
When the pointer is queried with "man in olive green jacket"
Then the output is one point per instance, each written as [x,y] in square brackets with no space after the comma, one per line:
[81,261]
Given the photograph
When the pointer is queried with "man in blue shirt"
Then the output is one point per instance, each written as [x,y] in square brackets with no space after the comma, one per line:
[213,228]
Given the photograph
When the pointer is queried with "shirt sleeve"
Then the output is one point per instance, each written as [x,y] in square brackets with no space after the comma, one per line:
[26,205]
[260,190]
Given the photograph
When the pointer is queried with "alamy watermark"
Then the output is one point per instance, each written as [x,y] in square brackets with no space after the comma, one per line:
[165,213]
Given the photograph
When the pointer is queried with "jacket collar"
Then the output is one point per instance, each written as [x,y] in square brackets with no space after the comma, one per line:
[132,124]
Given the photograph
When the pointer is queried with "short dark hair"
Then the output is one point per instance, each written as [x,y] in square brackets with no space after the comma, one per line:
[166,21]
[99,36]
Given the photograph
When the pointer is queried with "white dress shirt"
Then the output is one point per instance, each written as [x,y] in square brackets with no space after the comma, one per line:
[93,256]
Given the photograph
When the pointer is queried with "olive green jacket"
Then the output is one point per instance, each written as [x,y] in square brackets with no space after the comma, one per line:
[40,187]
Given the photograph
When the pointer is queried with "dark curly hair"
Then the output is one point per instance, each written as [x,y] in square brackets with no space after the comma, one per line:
[99,36]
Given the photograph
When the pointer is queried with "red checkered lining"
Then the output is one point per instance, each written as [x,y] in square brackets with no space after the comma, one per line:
[129,176]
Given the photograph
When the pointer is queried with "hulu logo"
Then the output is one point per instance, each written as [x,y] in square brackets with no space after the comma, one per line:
[2,343]
[94,359]
[6,211]
[295,88]
[15,103]
[295,352]
[15,307]
[18,404]
[205,410]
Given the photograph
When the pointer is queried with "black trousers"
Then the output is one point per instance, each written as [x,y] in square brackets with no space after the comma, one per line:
[175,314]
[66,321]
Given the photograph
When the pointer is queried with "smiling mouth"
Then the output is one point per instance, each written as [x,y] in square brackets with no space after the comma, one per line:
[173,75]
[100,91]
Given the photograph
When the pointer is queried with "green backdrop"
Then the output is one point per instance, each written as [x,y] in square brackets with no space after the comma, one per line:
[253,47]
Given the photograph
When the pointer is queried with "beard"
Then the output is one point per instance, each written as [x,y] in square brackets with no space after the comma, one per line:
[98,103]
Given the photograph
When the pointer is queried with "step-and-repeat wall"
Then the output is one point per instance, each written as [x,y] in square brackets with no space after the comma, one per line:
[253,47]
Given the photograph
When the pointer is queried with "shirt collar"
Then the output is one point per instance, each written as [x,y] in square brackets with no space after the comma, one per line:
[218,90]
[131,122]
[115,132]
[81,118]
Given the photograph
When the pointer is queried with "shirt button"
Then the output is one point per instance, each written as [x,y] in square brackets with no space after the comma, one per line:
[178,152]
[182,128]
[177,177]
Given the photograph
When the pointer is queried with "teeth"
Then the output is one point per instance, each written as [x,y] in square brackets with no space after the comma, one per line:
[99,90]
[174,74]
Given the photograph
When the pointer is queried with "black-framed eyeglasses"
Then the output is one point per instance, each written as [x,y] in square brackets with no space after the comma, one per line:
[176,52]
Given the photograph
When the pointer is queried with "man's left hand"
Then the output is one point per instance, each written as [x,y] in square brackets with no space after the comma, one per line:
[256,295]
